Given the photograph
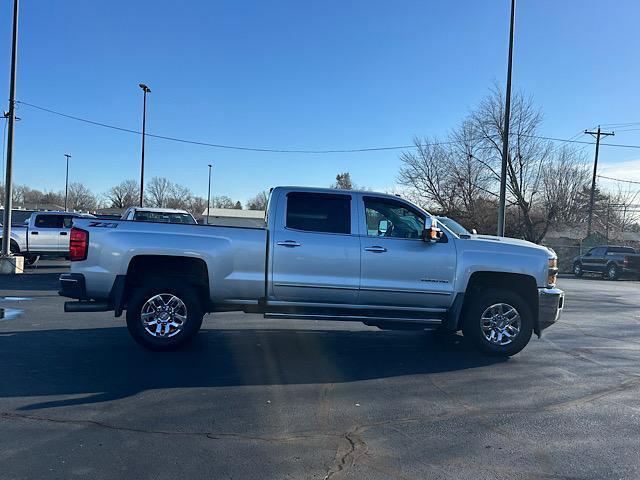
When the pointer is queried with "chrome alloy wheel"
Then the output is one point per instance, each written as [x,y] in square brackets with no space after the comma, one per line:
[500,324]
[163,315]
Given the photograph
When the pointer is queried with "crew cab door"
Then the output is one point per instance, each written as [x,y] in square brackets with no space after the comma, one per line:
[397,267]
[315,253]
[595,261]
[45,232]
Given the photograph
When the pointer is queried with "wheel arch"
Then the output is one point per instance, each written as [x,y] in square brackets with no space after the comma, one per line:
[522,284]
[191,270]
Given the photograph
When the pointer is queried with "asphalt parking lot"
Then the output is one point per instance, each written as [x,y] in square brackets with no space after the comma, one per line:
[274,399]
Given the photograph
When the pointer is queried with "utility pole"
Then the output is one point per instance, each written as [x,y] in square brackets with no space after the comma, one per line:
[8,187]
[505,134]
[209,196]
[146,90]
[597,134]
[66,183]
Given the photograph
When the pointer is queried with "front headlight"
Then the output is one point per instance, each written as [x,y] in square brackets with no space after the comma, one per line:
[553,272]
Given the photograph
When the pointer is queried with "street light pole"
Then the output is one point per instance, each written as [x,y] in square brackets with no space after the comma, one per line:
[66,183]
[505,133]
[209,195]
[145,90]
[8,190]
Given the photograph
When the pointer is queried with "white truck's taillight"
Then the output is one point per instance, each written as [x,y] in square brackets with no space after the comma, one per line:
[78,244]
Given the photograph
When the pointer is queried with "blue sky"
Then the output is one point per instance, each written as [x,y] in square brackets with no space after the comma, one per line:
[301,75]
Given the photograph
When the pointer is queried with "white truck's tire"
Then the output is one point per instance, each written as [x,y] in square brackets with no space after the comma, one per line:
[164,314]
[498,322]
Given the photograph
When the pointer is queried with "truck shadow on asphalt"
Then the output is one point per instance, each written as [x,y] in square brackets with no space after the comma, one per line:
[104,364]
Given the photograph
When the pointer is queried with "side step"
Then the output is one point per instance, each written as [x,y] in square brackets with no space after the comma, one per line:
[427,322]
[86,306]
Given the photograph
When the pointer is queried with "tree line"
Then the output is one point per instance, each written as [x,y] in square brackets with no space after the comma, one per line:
[547,185]
[159,192]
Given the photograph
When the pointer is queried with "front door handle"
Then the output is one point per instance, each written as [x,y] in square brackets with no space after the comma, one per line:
[288,243]
[63,233]
[376,249]
[34,233]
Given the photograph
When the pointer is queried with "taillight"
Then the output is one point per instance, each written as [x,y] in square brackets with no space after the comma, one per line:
[78,244]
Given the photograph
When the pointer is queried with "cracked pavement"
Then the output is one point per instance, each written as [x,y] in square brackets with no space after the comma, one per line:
[261,398]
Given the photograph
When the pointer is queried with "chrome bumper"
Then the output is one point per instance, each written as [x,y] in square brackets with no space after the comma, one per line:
[550,304]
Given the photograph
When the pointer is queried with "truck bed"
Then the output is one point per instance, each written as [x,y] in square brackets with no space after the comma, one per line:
[235,257]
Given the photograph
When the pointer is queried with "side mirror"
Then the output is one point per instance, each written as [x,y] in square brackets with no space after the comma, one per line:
[474,231]
[431,232]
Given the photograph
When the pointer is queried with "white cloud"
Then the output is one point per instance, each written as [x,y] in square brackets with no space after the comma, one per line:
[628,170]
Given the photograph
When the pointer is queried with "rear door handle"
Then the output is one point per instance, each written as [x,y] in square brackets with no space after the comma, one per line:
[288,243]
[376,249]
[63,233]
[34,233]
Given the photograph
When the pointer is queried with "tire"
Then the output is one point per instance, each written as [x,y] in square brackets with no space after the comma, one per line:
[31,259]
[577,270]
[499,321]
[175,329]
[13,248]
[612,272]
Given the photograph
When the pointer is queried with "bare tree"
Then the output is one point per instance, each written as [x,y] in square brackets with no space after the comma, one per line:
[197,205]
[259,202]
[123,195]
[81,198]
[157,191]
[178,196]
[224,202]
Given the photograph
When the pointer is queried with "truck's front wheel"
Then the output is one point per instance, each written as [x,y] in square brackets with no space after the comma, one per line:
[164,315]
[498,322]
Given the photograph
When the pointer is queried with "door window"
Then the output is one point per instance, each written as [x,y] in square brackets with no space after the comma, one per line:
[318,212]
[49,221]
[386,218]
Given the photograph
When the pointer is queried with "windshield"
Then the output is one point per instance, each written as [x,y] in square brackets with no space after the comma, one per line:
[164,217]
[453,226]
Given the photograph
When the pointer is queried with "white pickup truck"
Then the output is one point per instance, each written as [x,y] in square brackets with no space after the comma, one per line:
[43,234]
[322,254]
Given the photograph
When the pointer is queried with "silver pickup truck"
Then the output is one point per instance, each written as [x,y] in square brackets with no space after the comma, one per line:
[322,254]
[43,234]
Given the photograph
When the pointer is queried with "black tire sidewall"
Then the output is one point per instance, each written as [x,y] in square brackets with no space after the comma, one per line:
[141,294]
[579,274]
[617,274]
[472,325]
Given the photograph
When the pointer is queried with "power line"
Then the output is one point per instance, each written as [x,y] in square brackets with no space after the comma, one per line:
[230,147]
[619,179]
[301,151]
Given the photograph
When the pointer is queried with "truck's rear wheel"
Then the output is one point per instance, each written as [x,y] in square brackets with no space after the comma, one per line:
[498,322]
[164,315]
[612,272]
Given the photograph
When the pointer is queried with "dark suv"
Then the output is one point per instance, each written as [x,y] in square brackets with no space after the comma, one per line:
[609,260]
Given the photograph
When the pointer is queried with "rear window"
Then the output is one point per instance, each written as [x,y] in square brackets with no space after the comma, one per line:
[317,212]
[621,250]
[49,221]
[163,217]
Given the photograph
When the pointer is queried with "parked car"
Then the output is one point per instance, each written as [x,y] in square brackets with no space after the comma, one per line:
[162,215]
[43,234]
[324,255]
[611,261]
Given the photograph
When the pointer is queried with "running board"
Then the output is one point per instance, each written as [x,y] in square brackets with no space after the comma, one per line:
[356,318]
